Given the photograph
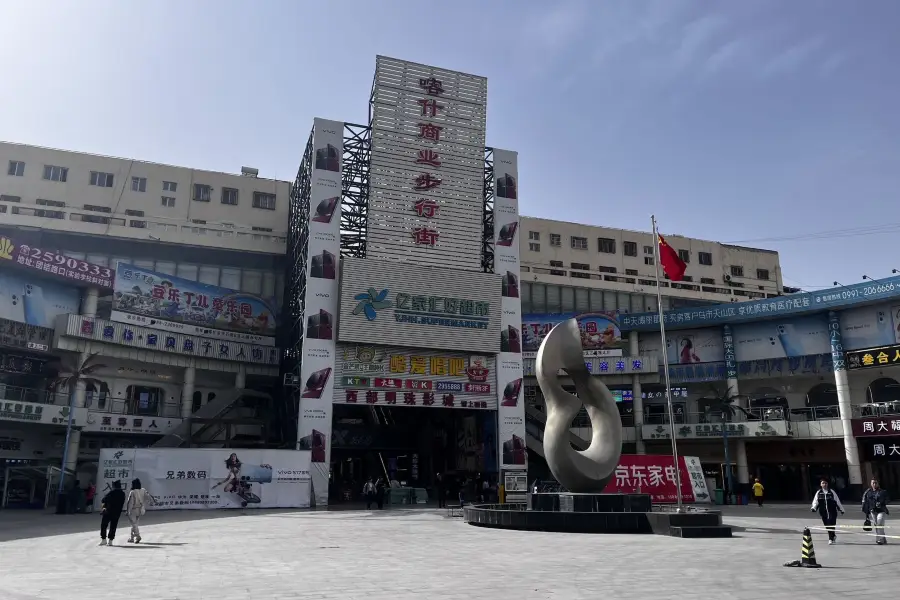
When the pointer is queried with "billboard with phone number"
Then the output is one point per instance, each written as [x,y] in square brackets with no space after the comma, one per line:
[203,479]
[33,301]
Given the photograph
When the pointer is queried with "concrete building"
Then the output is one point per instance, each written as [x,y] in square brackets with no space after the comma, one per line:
[199,261]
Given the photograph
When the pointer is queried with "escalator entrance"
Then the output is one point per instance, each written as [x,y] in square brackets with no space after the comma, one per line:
[408,446]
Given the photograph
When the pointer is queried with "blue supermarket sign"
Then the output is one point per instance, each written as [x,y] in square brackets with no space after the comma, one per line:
[772,308]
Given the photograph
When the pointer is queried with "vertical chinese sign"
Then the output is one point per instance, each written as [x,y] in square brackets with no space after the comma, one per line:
[427,165]
[318,355]
[511,414]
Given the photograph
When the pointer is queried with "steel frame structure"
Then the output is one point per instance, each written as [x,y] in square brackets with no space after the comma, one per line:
[487,216]
[355,189]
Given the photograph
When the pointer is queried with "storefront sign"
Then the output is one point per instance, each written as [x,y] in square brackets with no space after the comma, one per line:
[165,341]
[32,412]
[884,356]
[600,333]
[607,366]
[425,307]
[170,303]
[30,337]
[749,429]
[21,365]
[63,267]
[391,375]
[655,475]
[881,450]
[116,423]
[876,426]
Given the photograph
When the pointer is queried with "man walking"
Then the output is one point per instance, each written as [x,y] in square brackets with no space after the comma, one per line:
[827,503]
[111,509]
[758,491]
[874,505]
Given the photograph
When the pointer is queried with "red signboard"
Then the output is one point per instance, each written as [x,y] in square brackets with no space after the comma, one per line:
[652,474]
[876,426]
[64,267]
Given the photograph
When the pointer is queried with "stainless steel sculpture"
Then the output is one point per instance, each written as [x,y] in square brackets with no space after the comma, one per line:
[579,471]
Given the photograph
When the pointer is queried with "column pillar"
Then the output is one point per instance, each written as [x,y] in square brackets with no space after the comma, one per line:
[79,401]
[89,303]
[733,388]
[851,450]
[187,392]
[637,402]
[240,379]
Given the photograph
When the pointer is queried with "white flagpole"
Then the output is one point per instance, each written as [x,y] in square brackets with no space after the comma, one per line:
[665,356]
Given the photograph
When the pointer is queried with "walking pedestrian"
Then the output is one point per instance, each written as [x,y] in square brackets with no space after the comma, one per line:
[874,506]
[369,493]
[111,509]
[89,496]
[758,491]
[379,493]
[440,490]
[827,503]
[135,507]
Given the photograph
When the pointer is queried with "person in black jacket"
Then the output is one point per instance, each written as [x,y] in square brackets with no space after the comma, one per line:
[828,505]
[111,509]
[874,505]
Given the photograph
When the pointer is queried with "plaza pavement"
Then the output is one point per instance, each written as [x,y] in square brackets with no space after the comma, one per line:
[420,553]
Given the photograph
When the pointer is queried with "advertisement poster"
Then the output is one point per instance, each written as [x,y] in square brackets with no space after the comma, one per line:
[204,479]
[317,375]
[654,474]
[788,338]
[600,333]
[686,347]
[867,327]
[30,300]
[160,301]
[53,264]
[511,413]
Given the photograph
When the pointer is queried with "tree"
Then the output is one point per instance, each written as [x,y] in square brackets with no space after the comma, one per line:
[723,406]
[72,370]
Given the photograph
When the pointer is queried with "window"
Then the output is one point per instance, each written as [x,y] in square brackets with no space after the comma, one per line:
[229,196]
[103,209]
[267,229]
[534,247]
[134,213]
[579,243]
[705,258]
[707,280]
[16,168]
[737,271]
[687,278]
[52,173]
[556,263]
[534,235]
[629,248]
[168,201]
[606,245]
[762,274]
[582,266]
[608,270]
[648,260]
[98,178]
[199,221]
[264,201]
[685,256]
[631,271]
[202,192]
[55,203]
[555,239]
[580,275]
[170,186]
[138,184]
[648,250]
[50,214]
[5,198]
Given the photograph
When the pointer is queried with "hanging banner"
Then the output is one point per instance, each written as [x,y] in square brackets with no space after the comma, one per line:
[199,479]
[654,474]
[321,301]
[511,413]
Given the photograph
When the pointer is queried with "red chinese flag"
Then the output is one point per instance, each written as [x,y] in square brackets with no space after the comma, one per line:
[671,263]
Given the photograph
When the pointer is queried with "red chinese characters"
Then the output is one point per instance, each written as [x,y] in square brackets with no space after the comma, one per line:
[381,382]
[448,400]
[428,157]
[425,236]
[425,208]
[351,396]
[477,388]
[371,397]
[432,86]
[428,399]
[425,182]
[429,107]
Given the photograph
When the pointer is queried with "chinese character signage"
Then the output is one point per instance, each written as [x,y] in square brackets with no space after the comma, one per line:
[686,347]
[873,357]
[20,365]
[204,479]
[426,201]
[876,426]
[749,429]
[27,299]
[116,423]
[16,334]
[413,377]
[323,266]
[54,264]
[400,304]
[33,412]
[655,475]
[161,301]
[600,332]
[170,342]
[881,449]
[728,351]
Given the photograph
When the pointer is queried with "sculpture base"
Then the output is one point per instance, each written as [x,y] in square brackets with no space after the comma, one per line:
[596,513]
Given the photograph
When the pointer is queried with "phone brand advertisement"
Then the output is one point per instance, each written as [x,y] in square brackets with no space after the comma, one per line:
[34,301]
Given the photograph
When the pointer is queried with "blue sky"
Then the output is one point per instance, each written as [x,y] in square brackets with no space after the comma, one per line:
[734,121]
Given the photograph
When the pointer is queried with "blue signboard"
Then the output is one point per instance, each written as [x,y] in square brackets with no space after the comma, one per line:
[795,304]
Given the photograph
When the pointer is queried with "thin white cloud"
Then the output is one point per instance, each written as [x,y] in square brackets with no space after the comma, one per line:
[834,62]
[554,28]
[794,57]
[696,38]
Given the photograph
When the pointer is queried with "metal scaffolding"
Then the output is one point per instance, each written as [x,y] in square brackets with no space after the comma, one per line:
[487,217]
[355,189]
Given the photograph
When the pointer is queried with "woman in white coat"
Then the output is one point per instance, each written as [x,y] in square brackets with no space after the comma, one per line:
[135,507]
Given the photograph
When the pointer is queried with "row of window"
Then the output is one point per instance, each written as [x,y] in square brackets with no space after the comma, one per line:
[202,192]
[555,299]
[648,260]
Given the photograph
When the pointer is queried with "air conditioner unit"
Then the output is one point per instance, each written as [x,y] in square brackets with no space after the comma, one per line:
[727,278]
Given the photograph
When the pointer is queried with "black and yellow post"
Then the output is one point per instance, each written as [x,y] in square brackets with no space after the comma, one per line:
[807,553]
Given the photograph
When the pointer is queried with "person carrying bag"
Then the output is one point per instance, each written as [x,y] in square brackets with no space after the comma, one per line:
[827,504]
[874,506]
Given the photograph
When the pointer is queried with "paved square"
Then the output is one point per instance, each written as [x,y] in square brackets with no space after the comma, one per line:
[423,554]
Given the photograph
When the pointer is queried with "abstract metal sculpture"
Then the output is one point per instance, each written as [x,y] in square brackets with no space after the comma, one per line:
[578,471]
